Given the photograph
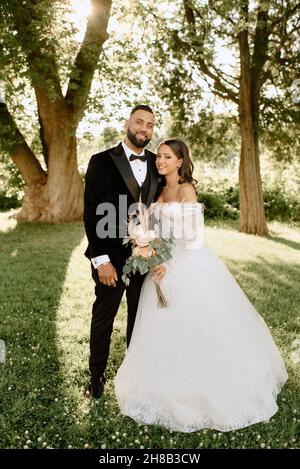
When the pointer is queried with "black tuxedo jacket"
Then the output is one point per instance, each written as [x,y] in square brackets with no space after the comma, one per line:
[108,176]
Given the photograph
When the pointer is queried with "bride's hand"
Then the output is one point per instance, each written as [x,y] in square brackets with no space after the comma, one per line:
[158,272]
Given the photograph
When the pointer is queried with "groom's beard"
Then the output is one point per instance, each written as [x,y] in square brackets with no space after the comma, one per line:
[137,142]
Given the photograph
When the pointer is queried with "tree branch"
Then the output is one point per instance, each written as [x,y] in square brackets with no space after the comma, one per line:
[286,14]
[22,155]
[87,57]
[219,85]
[218,12]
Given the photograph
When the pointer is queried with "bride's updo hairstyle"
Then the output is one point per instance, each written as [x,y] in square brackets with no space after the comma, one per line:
[180,149]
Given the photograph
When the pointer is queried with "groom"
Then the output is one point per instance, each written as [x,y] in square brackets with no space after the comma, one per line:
[125,172]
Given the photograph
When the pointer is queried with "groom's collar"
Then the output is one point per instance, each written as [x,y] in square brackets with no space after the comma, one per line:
[129,152]
[119,150]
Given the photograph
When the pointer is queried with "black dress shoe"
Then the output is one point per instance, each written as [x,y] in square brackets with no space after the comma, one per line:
[95,388]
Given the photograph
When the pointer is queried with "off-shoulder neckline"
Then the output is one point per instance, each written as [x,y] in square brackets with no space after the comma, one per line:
[176,203]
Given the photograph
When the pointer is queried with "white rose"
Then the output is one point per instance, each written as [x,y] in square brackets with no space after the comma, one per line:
[135,230]
[145,238]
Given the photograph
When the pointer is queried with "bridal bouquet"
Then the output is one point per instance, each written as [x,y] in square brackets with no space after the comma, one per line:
[148,249]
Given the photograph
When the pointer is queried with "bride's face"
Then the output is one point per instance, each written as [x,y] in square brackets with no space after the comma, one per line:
[166,161]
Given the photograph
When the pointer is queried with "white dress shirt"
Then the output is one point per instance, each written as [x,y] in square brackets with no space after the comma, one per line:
[139,169]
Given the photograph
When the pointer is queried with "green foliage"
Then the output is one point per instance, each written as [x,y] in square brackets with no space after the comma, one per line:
[11,185]
[8,202]
[281,206]
[224,204]
[220,193]
[162,248]
[214,137]
[221,204]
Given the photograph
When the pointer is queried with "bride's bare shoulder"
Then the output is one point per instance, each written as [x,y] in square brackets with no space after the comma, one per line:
[187,192]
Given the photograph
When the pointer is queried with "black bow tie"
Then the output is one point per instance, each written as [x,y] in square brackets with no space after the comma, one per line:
[138,157]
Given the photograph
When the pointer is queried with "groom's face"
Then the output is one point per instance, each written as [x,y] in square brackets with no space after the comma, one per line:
[139,128]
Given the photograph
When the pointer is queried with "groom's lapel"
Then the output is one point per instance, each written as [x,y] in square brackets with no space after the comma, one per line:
[153,179]
[120,160]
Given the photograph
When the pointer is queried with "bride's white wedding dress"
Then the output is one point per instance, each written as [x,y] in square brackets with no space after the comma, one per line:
[207,360]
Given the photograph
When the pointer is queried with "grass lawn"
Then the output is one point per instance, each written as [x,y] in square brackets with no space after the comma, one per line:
[45,305]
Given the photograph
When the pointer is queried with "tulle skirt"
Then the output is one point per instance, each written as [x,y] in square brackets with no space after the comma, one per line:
[207,360]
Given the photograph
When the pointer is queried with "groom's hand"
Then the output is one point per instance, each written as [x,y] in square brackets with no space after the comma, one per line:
[107,274]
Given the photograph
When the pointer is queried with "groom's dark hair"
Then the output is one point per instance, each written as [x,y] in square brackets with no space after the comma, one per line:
[141,107]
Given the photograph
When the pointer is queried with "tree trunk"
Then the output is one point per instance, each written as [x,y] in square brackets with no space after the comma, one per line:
[252,215]
[60,197]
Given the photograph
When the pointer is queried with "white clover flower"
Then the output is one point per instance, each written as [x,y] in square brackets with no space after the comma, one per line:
[103,446]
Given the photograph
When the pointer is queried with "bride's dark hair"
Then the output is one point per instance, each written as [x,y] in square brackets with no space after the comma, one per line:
[180,149]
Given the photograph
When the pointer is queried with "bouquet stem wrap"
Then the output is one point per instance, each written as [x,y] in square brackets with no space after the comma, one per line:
[161,300]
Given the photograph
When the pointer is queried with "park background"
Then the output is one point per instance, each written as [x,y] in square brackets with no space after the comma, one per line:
[223,76]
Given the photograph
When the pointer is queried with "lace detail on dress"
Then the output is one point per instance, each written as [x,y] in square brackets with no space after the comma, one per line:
[146,413]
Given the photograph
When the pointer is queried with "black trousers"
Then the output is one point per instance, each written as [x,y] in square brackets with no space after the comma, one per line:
[104,311]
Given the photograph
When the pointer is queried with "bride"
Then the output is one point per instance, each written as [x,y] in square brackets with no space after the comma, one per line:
[208,359]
